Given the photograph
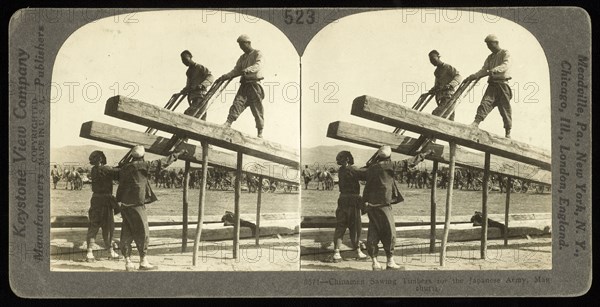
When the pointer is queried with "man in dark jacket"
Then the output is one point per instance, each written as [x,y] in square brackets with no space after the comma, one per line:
[133,194]
[379,193]
[199,80]
[103,205]
[447,79]
[347,213]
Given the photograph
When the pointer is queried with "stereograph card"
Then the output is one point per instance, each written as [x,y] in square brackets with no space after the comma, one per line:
[303,152]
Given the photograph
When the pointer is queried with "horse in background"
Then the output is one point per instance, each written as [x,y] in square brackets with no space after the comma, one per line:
[324,180]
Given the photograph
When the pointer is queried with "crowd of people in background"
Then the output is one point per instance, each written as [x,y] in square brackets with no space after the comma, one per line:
[325,178]
[74,178]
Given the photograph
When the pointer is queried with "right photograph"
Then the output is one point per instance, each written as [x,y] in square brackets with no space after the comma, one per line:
[425,144]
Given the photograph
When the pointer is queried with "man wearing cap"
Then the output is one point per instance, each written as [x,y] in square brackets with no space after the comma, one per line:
[250,93]
[498,93]
[103,205]
[447,79]
[199,79]
[379,193]
[133,194]
[347,214]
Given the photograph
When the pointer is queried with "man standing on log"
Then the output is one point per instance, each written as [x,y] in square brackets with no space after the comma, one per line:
[133,194]
[103,205]
[379,194]
[250,93]
[347,214]
[199,79]
[498,93]
[447,79]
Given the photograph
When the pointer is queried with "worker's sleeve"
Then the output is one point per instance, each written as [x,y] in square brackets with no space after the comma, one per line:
[208,79]
[197,78]
[187,83]
[435,85]
[257,63]
[236,71]
[361,173]
[483,71]
[503,65]
[116,173]
[192,80]
[163,162]
[408,164]
[456,79]
[113,172]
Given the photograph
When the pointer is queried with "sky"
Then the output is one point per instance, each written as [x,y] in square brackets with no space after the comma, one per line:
[141,60]
[382,54]
[385,54]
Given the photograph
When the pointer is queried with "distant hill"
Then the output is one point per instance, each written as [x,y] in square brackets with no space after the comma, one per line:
[78,155]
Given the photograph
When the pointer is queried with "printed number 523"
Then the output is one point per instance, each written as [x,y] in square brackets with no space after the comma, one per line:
[299,17]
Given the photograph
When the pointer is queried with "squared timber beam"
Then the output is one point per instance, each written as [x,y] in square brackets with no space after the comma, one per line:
[157,145]
[187,126]
[464,158]
[432,126]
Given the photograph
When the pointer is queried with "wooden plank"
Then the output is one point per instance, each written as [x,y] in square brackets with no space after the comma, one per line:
[400,116]
[465,158]
[316,239]
[449,191]
[201,202]
[119,136]
[187,126]
[433,207]
[506,209]
[186,187]
[258,204]
[236,208]
[484,206]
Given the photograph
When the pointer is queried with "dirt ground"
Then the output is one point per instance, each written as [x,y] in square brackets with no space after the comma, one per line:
[67,202]
[273,254]
[417,202]
[283,252]
[279,253]
[533,253]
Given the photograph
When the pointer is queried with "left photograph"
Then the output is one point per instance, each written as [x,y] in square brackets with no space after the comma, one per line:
[174,142]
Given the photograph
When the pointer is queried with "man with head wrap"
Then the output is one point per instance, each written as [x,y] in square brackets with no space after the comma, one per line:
[347,213]
[379,193]
[102,204]
[498,93]
[133,193]
[250,94]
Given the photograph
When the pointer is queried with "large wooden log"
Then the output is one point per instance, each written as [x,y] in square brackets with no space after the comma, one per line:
[187,126]
[155,144]
[464,158]
[402,117]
